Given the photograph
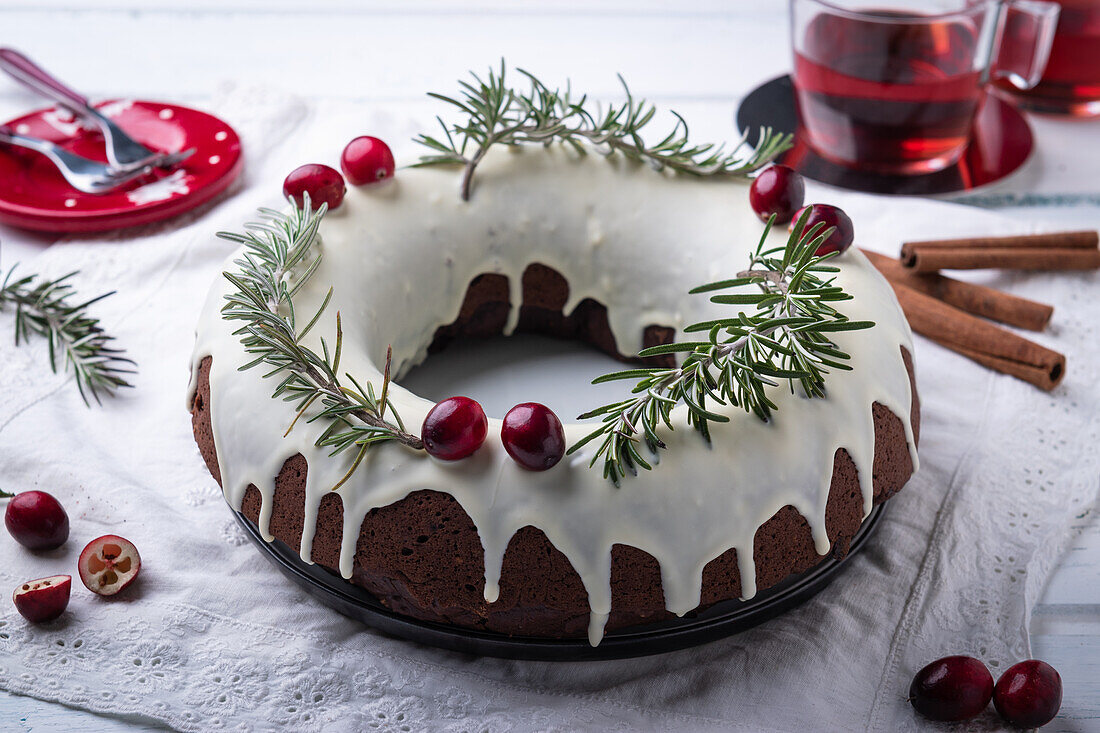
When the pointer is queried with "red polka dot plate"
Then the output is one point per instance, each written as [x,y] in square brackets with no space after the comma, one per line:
[33,195]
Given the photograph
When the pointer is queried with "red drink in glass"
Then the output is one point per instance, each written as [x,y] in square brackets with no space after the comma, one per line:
[1071,82]
[881,95]
[893,87]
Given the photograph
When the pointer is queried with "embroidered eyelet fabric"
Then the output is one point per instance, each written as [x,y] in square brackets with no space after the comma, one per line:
[212,637]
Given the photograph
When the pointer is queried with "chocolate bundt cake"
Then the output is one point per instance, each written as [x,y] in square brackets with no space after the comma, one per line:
[579,247]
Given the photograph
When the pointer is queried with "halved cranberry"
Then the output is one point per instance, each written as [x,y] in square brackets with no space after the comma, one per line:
[831,216]
[37,520]
[951,688]
[324,185]
[366,160]
[454,428]
[533,436]
[1028,694]
[108,564]
[777,190]
[44,599]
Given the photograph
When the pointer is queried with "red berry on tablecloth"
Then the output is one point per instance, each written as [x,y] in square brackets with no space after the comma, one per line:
[324,185]
[533,436]
[37,520]
[44,599]
[454,428]
[365,160]
[777,190]
[951,688]
[109,564]
[1028,694]
[843,235]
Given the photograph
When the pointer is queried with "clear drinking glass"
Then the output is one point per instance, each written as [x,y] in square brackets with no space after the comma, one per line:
[1071,82]
[892,86]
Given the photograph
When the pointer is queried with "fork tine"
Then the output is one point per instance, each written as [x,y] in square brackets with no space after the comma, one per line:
[83,174]
[171,160]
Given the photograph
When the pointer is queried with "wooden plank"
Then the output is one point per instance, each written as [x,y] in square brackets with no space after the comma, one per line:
[576,8]
[1076,582]
[395,56]
[29,715]
[1077,659]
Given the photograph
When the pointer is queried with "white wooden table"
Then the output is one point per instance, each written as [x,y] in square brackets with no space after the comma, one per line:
[700,56]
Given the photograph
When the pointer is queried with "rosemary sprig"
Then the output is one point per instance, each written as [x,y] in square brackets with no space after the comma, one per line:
[787,337]
[498,114]
[76,340]
[278,260]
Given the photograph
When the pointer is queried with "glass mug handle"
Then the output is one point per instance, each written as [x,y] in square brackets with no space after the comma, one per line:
[1023,38]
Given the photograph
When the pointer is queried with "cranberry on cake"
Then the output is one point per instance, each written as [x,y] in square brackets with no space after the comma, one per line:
[751,447]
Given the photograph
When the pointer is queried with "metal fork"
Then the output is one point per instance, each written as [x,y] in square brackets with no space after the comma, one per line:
[123,152]
[83,174]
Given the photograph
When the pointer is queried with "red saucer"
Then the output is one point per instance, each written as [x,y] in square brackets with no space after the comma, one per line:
[33,195]
[1001,142]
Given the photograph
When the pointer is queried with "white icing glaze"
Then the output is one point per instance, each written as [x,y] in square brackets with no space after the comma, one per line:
[399,258]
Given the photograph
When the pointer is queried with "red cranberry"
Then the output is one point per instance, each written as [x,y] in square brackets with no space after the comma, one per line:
[366,160]
[778,190]
[109,564]
[841,238]
[454,428]
[44,599]
[951,688]
[533,436]
[37,521]
[1028,694]
[324,185]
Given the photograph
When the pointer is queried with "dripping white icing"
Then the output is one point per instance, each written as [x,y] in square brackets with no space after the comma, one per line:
[399,259]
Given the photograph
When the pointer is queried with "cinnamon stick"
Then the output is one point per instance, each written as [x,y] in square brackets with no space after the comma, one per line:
[1002,259]
[1037,375]
[1087,239]
[977,339]
[1055,251]
[970,297]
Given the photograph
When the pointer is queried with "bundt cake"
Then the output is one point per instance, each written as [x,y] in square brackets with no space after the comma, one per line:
[603,250]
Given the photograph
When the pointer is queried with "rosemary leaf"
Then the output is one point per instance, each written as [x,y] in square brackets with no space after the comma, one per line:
[496,113]
[75,341]
[784,338]
[270,272]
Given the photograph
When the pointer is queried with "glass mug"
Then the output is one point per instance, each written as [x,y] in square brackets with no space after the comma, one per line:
[892,86]
[1071,82]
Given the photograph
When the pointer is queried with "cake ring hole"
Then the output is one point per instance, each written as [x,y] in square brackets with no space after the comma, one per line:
[485,309]
[483,317]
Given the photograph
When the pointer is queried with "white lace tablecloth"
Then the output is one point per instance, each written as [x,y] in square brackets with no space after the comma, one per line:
[213,637]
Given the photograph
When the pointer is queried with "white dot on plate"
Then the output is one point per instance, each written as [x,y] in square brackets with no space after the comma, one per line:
[166,114]
[23,129]
[221,136]
[70,202]
[215,159]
